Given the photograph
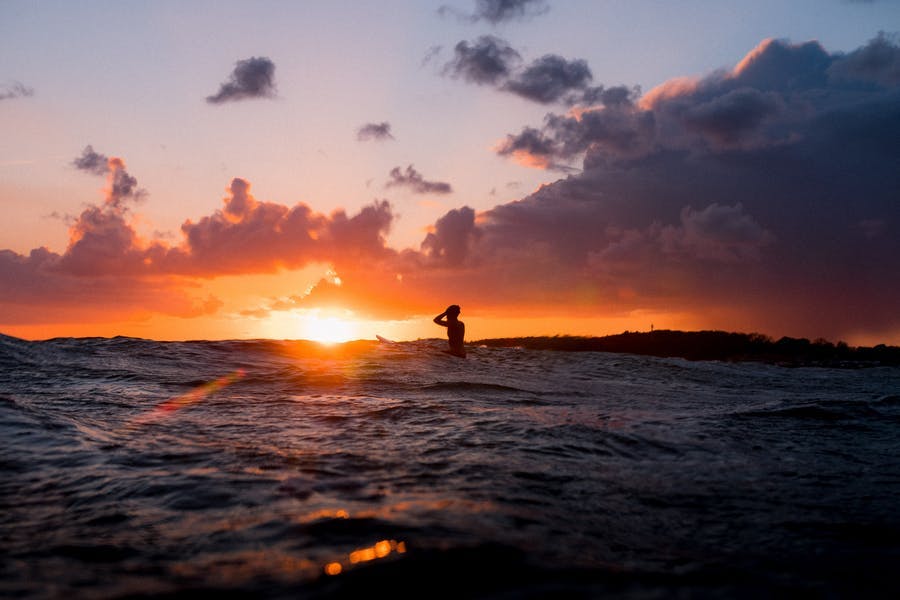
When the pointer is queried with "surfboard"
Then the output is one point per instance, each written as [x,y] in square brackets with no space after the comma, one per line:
[384,340]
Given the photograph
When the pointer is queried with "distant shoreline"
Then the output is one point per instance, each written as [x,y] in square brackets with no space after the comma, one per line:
[691,345]
[714,345]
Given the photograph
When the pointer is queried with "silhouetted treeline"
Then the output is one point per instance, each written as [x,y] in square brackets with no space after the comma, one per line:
[715,345]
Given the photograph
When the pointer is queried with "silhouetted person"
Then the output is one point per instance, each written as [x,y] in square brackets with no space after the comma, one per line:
[456,330]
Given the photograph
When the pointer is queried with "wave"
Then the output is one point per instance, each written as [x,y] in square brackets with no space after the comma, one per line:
[471,386]
[828,411]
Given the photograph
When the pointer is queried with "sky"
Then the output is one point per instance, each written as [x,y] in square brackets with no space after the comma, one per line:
[336,170]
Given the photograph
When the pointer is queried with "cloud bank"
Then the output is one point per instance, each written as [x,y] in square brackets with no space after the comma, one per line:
[108,266]
[767,190]
[761,197]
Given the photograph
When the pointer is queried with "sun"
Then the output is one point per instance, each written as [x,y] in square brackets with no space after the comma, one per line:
[324,327]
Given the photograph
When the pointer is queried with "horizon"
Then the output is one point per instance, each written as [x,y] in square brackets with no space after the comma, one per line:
[326,343]
[339,172]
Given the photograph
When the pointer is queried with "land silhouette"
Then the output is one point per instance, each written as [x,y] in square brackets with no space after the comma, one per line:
[690,345]
[714,345]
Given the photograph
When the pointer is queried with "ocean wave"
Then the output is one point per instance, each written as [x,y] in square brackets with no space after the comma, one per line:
[256,468]
[827,411]
[471,386]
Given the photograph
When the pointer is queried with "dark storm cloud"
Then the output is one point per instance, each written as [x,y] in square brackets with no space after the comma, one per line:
[251,78]
[374,131]
[617,127]
[767,190]
[15,90]
[775,96]
[878,63]
[726,118]
[488,60]
[500,11]
[414,181]
[453,234]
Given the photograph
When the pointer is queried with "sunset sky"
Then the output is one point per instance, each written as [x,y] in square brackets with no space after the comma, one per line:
[336,170]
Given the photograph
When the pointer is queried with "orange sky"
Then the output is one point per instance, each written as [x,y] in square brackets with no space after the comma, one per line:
[120,284]
[266,196]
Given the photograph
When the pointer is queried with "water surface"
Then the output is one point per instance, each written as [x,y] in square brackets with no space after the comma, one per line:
[287,469]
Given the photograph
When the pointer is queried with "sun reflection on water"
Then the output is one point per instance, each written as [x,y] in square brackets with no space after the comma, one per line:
[380,549]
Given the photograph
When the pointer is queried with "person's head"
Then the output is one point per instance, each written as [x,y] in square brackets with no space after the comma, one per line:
[453,310]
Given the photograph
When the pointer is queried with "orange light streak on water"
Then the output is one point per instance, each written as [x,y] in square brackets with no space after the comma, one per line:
[194,396]
[380,549]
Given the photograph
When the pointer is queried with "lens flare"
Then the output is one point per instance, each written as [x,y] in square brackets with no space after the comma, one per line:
[194,396]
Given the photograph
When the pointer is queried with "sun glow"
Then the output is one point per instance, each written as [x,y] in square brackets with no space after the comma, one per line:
[327,329]
[327,326]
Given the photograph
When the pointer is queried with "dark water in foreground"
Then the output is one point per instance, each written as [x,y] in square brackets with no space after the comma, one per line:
[251,468]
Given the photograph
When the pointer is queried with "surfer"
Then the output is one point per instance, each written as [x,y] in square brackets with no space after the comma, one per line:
[456,330]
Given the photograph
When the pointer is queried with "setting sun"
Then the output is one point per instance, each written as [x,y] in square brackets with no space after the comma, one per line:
[322,326]
[543,289]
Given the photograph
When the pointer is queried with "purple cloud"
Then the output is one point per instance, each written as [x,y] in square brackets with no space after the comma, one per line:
[413,180]
[252,78]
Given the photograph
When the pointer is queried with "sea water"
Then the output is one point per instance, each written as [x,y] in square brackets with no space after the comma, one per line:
[280,469]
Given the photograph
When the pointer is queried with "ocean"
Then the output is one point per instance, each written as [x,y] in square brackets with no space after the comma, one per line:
[286,469]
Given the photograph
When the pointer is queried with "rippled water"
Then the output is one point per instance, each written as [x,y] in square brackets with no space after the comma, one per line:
[286,469]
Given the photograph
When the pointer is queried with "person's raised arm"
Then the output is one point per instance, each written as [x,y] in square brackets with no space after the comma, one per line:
[439,319]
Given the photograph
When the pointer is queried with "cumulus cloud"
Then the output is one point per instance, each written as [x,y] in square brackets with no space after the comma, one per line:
[413,180]
[39,289]
[877,63]
[500,11]
[772,97]
[122,186]
[104,269]
[91,162]
[488,60]
[252,78]
[764,190]
[15,90]
[247,235]
[726,119]
[549,79]
[107,266]
[451,238]
[374,131]
[531,147]
[614,125]
[761,197]
[552,78]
